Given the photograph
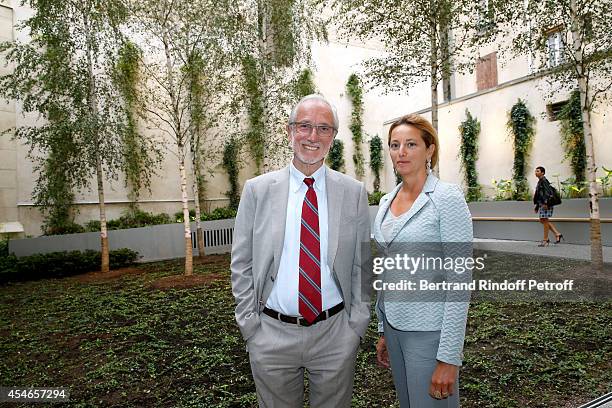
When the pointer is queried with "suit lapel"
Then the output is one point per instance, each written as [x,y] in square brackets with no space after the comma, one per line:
[335,194]
[278,193]
[380,215]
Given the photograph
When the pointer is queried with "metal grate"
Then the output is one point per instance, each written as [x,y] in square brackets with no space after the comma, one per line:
[214,238]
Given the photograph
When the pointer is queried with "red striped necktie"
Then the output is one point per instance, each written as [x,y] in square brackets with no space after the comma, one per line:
[309,296]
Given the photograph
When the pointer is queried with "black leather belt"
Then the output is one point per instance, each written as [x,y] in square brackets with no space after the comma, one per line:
[300,321]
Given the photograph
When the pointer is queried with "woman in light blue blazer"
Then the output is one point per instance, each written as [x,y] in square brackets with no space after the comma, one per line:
[422,339]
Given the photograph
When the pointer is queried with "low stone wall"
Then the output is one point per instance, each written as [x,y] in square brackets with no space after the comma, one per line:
[511,220]
[154,243]
[569,208]
[516,220]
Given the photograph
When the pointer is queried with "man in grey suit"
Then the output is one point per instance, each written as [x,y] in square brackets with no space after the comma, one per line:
[301,243]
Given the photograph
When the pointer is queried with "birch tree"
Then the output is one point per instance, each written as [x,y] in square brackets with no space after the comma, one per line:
[64,76]
[274,39]
[141,154]
[178,33]
[571,45]
[423,40]
[209,79]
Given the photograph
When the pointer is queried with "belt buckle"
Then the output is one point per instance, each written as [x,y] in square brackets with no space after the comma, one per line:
[303,322]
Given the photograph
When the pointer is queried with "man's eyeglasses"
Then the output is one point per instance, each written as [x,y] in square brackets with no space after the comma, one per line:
[305,128]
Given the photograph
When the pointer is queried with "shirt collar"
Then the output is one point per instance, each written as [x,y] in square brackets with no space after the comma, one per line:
[296,179]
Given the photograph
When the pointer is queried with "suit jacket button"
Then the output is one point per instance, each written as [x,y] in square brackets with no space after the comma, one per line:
[272,278]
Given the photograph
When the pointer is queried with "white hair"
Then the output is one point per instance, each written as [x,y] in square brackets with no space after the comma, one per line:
[318,97]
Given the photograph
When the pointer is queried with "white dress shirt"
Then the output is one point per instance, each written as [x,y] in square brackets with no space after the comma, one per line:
[284,295]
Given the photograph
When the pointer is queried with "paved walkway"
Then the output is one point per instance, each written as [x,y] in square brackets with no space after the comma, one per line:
[531,247]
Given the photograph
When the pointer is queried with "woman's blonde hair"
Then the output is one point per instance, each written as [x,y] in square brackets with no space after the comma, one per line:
[428,133]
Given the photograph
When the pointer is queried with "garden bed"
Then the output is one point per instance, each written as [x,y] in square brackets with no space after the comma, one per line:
[122,342]
[153,243]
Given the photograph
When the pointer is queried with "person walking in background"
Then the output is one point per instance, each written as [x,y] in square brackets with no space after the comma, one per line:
[301,246]
[542,198]
[422,341]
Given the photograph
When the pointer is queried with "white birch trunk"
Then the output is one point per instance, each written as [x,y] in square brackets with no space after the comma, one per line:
[181,155]
[93,111]
[186,220]
[595,227]
[105,257]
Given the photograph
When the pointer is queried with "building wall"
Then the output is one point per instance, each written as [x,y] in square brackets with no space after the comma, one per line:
[333,63]
[8,147]
[491,107]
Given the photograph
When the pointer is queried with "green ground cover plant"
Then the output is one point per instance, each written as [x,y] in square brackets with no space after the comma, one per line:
[124,342]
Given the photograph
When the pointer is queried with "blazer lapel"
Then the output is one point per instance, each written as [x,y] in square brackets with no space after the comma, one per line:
[421,200]
[380,215]
[278,193]
[335,194]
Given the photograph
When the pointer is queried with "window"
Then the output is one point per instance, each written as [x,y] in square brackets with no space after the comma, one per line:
[555,46]
[554,109]
[486,72]
[6,23]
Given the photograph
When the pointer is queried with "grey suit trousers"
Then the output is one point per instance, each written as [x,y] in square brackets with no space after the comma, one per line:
[280,353]
[412,355]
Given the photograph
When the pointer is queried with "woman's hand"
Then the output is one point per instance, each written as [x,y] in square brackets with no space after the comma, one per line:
[442,380]
[382,355]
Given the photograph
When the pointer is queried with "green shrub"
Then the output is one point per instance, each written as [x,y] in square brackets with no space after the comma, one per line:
[93,226]
[178,216]
[503,189]
[68,227]
[140,218]
[59,264]
[131,219]
[354,91]
[570,188]
[572,136]
[605,182]
[335,157]
[468,152]
[521,127]
[509,189]
[374,197]
[304,84]
[231,153]
[121,257]
[8,264]
[376,160]
[221,213]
